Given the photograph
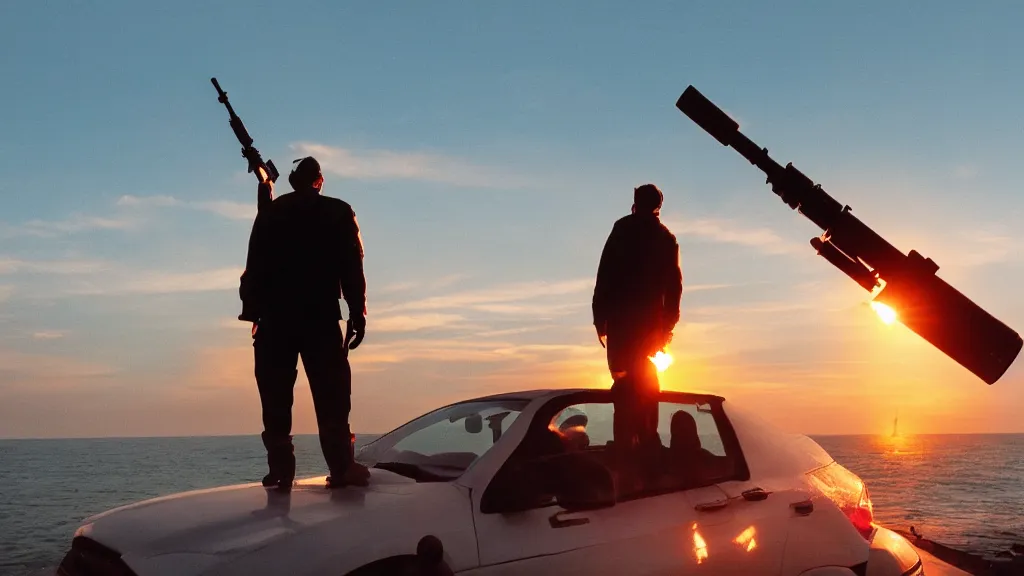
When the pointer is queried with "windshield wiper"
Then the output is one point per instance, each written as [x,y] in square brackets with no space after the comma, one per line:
[411,471]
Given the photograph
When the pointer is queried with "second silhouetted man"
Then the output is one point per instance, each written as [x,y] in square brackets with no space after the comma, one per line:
[636,307]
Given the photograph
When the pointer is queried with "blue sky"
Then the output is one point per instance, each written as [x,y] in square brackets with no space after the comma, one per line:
[487,149]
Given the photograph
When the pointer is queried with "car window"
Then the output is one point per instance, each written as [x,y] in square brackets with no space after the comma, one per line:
[589,424]
[694,447]
[707,429]
[694,453]
[444,443]
[688,451]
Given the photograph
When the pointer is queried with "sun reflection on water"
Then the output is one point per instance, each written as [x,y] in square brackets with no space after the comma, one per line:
[898,446]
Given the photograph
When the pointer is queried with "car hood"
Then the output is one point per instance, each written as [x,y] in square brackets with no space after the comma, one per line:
[191,532]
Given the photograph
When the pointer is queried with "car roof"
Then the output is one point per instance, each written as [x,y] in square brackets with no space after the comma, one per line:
[534,394]
[527,394]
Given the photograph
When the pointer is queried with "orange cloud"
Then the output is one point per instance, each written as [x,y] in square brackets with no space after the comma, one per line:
[405,165]
[413,322]
[161,282]
[727,231]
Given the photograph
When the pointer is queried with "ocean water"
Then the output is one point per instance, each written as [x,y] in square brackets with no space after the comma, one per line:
[963,491]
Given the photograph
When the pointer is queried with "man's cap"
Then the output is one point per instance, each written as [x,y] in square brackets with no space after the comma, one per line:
[305,172]
[647,198]
[306,166]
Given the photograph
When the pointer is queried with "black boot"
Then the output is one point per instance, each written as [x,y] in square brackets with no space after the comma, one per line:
[345,470]
[355,474]
[281,461]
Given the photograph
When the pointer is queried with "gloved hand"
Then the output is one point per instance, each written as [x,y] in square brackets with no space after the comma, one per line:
[356,329]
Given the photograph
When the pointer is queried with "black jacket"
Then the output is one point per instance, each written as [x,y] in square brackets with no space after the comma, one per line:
[639,280]
[305,253]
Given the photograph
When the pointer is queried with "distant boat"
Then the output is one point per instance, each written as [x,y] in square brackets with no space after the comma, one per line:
[895,424]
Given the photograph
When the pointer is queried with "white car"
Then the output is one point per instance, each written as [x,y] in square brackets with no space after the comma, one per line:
[527,483]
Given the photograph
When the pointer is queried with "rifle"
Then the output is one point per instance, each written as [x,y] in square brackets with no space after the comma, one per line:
[907,286]
[265,171]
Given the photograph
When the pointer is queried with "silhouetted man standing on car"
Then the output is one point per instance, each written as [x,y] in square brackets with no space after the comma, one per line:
[636,307]
[305,253]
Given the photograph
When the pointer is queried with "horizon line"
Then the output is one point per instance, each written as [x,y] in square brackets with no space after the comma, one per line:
[314,434]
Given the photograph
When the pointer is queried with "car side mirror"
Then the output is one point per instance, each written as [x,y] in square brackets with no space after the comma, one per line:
[580,483]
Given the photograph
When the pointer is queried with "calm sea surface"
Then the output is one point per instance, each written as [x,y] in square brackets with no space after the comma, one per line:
[963,491]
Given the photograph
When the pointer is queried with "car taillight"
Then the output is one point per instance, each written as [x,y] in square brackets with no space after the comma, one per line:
[850,495]
[862,515]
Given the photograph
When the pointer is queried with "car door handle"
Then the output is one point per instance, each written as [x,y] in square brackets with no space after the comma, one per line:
[755,494]
[711,506]
[556,521]
[803,508]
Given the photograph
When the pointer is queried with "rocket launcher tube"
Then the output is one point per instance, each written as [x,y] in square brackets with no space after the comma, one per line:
[923,302]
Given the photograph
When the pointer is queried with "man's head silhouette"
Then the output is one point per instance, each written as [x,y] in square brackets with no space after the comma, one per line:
[647,199]
[306,175]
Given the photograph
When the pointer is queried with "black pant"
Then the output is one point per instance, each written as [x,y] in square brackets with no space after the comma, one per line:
[277,346]
[635,387]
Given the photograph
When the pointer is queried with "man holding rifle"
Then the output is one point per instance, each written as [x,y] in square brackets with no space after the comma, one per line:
[305,253]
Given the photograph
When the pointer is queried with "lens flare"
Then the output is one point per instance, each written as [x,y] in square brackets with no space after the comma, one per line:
[887,314]
[661,361]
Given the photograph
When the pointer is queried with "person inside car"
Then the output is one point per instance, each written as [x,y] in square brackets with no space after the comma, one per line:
[687,463]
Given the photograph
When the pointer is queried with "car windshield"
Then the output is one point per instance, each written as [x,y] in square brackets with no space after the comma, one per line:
[441,445]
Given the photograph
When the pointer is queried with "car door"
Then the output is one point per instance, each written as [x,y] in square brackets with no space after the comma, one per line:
[643,537]
[696,530]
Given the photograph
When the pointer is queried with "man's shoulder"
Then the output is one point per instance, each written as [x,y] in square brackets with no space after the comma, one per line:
[337,205]
[643,222]
[669,236]
[279,203]
[624,222]
[328,203]
[662,234]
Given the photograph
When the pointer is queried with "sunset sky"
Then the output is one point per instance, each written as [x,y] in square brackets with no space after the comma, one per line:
[487,149]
